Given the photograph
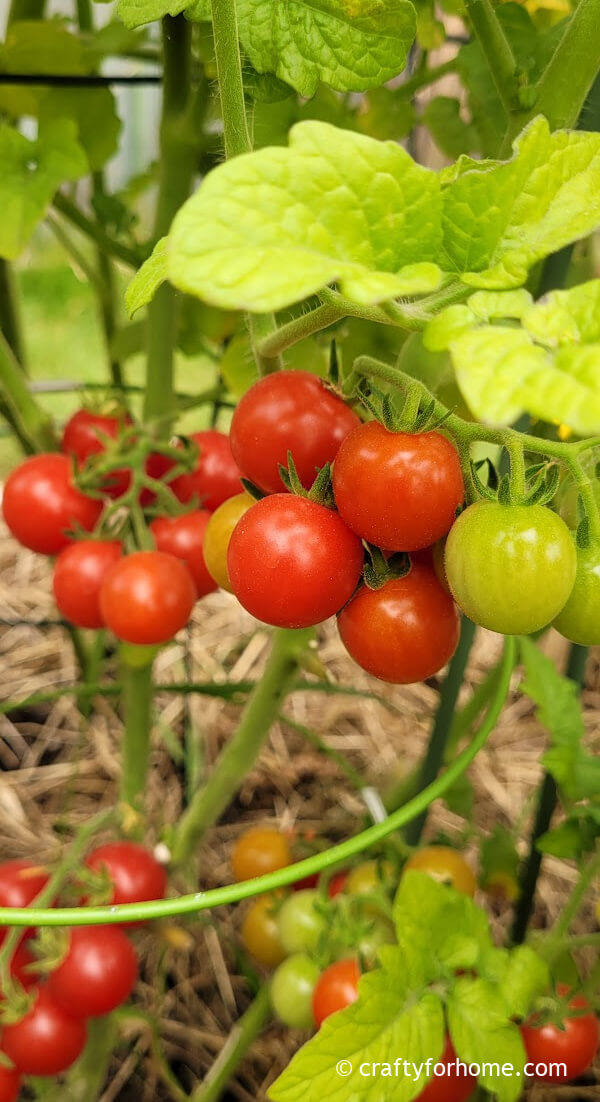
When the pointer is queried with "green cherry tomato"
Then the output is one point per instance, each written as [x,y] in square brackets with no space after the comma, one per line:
[579,620]
[260,932]
[510,568]
[300,922]
[292,990]
[369,877]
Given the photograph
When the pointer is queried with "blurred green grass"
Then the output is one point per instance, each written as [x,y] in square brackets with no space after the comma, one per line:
[64,341]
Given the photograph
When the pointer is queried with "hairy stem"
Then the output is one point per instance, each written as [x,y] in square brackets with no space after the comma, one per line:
[571,71]
[32,423]
[496,49]
[229,73]
[241,1037]
[241,752]
[336,855]
[442,725]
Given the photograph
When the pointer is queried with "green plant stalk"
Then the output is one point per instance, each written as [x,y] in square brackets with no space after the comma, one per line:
[21,10]
[241,752]
[423,78]
[241,1037]
[10,319]
[229,74]
[496,49]
[92,275]
[354,777]
[442,725]
[33,424]
[95,231]
[177,164]
[87,1076]
[137,705]
[317,863]
[571,71]
[588,876]
[547,803]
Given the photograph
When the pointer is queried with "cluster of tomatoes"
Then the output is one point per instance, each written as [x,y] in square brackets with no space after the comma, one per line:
[323,934]
[294,559]
[47,1004]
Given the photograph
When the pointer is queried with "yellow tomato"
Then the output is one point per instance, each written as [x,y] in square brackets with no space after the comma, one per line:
[218,534]
[260,932]
[445,864]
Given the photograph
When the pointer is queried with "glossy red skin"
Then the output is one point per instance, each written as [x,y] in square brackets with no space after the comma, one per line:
[85,435]
[183,537]
[293,563]
[337,884]
[19,885]
[288,411]
[147,597]
[454,1087]
[574,1045]
[135,873]
[405,631]
[216,476]
[98,973]
[20,963]
[40,503]
[397,490]
[337,987]
[47,1040]
[10,1084]
[306,882]
[79,572]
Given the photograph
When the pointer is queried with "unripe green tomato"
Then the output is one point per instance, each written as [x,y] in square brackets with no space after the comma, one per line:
[292,989]
[510,568]
[579,620]
[300,923]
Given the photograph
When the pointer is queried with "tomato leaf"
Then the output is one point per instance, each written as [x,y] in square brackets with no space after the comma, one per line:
[389,1021]
[482,1034]
[148,278]
[94,113]
[450,132]
[349,46]
[550,367]
[31,173]
[134,13]
[439,929]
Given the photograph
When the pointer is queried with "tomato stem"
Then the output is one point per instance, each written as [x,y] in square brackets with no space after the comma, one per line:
[33,425]
[137,705]
[241,1037]
[241,752]
[442,724]
[496,49]
[517,470]
[335,856]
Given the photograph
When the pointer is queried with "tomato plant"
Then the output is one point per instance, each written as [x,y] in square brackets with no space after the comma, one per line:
[337,987]
[147,597]
[183,537]
[215,477]
[405,631]
[572,1042]
[132,870]
[47,1040]
[292,990]
[97,974]
[41,505]
[300,922]
[79,572]
[579,618]
[397,490]
[10,1084]
[258,851]
[452,1086]
[218,534]
[511,568]
[291,411]
[445,864]
[293,563]
[86,433]
[260,932]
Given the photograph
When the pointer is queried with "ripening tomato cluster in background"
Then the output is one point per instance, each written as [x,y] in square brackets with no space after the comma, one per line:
[295,558]
[96,971]
[324,933]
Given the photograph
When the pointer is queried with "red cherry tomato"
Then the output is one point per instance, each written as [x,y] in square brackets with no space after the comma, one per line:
[147,597]
[85,434]
[47,1040]
[98,973]
[337,988]
[397,490]
[21,966]
[10,1084]
[293,563]
[305,882]
[40,503]
[453,1086]
[183,537]
[135,874]
[79,572]
[20,883]
[405,631]
[216,476]
[288,411]
[337,884]
[157,466]
[574,1044]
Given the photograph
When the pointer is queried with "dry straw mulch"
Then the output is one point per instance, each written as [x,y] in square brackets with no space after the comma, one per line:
[60,769]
